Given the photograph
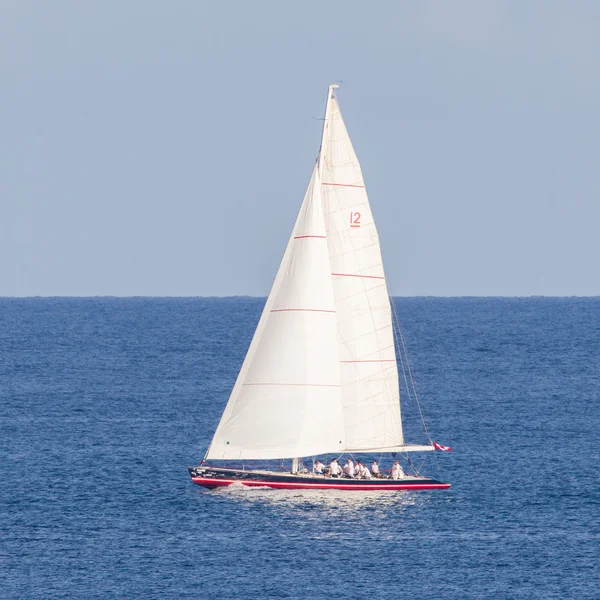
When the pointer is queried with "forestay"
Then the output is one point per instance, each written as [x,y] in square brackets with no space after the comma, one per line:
[286,401]
[369,374]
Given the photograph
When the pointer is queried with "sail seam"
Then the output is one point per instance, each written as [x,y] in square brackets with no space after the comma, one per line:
[356,338]
[302,237]
[299,384]
[344,184]
[370,361]
[354,275]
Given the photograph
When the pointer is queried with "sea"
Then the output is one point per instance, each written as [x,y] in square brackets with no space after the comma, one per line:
[104,402]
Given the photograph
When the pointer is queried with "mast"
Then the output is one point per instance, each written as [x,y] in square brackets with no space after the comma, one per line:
[330,95]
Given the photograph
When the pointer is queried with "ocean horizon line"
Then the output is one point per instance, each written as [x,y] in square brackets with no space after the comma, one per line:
[237,296]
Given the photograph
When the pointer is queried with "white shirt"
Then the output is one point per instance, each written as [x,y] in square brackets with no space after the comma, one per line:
[349,469]
[397,472]
[375,469]
[365,472]
[334,468]
[319,468]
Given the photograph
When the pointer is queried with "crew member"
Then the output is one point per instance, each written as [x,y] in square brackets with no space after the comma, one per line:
[349,468]
[375,469]
[397,472]
[334,469]
[364,472]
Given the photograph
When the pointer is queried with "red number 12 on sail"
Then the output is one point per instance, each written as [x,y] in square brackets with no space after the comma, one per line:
[354,219]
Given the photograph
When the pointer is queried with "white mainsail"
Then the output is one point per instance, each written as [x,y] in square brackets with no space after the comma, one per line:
[286,401]
[369,374]
[320,375]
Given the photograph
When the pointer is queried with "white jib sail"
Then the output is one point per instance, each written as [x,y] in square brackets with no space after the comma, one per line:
[369,374]
[286,401]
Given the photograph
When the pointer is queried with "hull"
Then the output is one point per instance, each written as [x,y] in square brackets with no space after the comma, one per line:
[214,477]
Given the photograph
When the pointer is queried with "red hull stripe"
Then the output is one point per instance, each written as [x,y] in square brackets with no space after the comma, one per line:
[368,361]
[352,275]
[297,384]
[320,486]
[302,310]
[303,237]
[344,185]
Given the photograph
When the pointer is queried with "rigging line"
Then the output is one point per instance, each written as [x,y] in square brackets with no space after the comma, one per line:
[412,381]
[409,370]
[405,353]
[321,106]
[319,111]
[401,336]
[397,345]
[407,387]
[415,468]
[326,116]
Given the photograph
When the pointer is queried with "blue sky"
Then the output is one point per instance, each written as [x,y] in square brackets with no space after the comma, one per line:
[163,148]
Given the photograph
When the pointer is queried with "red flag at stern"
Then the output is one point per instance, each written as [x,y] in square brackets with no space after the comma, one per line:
[440,447]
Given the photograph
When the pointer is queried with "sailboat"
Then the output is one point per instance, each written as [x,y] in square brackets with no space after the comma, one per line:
[320,377]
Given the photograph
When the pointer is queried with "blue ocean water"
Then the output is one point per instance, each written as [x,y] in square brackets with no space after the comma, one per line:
[104,402]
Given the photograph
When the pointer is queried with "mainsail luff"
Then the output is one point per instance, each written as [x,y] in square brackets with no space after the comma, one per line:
[369,373]
[286,401]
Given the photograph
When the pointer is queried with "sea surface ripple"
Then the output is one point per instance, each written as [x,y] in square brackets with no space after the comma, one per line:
[104,402]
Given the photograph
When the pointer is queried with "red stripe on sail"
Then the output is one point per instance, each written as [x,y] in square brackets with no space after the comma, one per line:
[344,185]
[352,275]
[302,310]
